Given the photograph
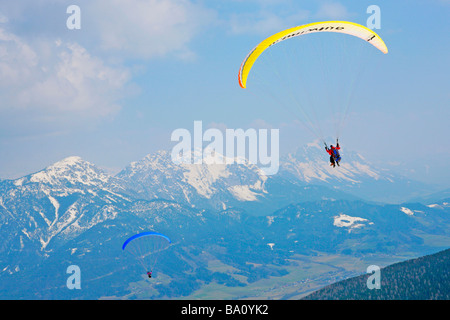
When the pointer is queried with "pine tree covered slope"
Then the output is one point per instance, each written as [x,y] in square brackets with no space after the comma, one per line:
[424,278]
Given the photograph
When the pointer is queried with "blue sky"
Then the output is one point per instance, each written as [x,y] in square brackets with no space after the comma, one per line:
[113,91]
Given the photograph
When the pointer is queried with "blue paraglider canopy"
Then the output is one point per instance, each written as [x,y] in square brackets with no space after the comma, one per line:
[144,234]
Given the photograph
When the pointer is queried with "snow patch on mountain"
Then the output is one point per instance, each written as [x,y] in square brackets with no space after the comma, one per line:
[365,168]
[346,221]
[243,193]
[202,177]
[409,212]
[443,205]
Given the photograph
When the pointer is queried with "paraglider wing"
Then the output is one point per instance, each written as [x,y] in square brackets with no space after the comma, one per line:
[346,27]
[144,234]
[146,248]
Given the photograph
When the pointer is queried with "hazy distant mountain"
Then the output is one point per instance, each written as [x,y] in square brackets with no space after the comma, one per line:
[425,278]
[431,198]
[355,175]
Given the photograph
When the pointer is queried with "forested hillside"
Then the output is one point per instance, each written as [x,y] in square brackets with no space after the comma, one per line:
[425,278]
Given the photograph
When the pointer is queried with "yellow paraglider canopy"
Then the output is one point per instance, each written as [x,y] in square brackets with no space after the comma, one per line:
[346,27]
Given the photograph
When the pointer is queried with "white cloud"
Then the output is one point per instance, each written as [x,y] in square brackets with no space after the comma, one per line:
[148,28]
[16,59]
[56,79]
[116,28]
[52,79]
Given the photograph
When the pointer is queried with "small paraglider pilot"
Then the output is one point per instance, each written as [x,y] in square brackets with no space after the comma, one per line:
[149,273]
[335,157]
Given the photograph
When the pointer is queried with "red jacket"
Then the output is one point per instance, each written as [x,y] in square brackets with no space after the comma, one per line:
[331,150]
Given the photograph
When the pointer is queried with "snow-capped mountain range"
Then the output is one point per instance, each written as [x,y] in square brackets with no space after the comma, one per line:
[61,201]
[72,211]
[217,186]
[157,177]
[73,195]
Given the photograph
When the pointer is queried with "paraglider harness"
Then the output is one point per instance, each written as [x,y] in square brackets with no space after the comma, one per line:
[336,155]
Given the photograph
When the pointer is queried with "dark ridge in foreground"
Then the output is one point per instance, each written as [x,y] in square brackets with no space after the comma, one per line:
[424,278]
